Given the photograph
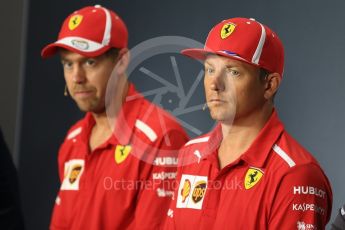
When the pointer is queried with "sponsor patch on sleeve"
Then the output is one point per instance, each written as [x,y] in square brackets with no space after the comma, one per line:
[72,174]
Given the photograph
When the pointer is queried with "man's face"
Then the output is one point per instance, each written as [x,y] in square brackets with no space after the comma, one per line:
[233,89]
[87,78]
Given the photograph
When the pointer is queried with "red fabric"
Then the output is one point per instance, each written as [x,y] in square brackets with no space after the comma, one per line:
[243,42]
[291,194]
[91,27]
[111,195]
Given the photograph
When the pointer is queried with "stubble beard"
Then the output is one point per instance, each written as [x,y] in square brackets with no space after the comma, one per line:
[91,105]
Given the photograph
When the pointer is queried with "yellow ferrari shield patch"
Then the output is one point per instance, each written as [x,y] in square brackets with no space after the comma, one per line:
[75,21]
[253,176]
[226,30]
[121,153]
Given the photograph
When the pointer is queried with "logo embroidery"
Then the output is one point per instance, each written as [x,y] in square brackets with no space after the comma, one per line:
[185,190]
[75,21]
[253,176]
[199,191]
[73,176]
[226,30]
[80,44]
[72,173]
[198,155]
[121,153]
[192,191]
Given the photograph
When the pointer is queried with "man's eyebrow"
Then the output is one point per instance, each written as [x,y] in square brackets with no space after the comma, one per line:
[206,62]
[232,66]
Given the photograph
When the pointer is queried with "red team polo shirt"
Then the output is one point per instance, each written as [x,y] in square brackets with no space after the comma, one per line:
[275,184]
[112,187]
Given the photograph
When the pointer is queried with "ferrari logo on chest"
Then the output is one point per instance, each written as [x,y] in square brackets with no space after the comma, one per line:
[121,153]
[253,176]
[75,21]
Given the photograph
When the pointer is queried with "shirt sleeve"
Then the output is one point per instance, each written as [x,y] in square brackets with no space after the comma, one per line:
[154,198]
[303,200]
[169,222]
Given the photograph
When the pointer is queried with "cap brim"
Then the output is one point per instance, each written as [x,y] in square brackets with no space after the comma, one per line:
[52,48]
[195,53]
[201,54]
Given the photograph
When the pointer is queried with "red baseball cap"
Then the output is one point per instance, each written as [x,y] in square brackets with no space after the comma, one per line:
[90,31]
[245,40]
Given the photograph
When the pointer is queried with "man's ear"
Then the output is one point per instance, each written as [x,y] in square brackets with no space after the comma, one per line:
[272,84]
[122,61]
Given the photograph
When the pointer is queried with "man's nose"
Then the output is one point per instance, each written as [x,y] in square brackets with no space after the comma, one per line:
[79,75]
[217,83]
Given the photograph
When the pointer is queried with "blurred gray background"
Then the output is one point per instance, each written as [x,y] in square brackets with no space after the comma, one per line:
[35,115]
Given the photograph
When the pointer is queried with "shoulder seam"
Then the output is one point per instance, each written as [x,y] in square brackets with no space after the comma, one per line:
[284,155]
[74,133]
[147,130]
[197,140]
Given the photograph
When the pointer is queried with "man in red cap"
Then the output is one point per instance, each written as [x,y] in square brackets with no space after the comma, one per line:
[247,173]
[117,164]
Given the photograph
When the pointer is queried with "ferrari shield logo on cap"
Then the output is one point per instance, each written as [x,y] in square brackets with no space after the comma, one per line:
[226,30]
[253,176]
[75,21]
[121,153]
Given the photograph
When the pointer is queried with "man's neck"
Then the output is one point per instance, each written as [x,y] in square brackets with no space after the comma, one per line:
[104,125]
[238,137]
[101,120]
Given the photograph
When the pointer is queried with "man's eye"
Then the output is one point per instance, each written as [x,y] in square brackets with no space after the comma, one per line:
[66,65]
[90,62]
[233,72]
[209,70]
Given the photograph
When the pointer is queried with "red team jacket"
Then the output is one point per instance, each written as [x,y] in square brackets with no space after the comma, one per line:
[275,184]
[126,183]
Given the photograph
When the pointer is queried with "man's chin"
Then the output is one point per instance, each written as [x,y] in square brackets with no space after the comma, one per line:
[223,118]
[89,108]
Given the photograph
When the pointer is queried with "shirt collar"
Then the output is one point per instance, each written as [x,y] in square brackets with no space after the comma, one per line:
[258,151]
[127,116]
